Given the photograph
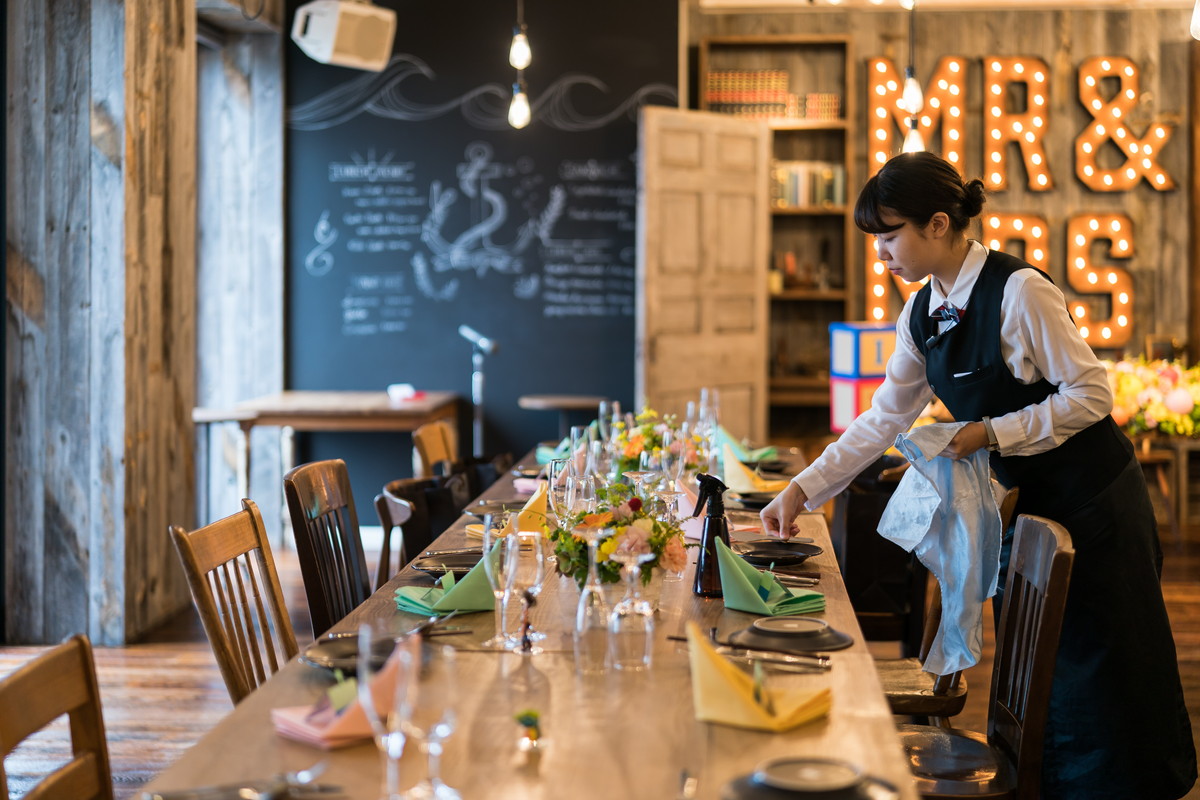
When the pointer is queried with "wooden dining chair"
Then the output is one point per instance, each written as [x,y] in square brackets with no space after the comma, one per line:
[436,503]
[910,690]
[237,593]
[434,442]
[1007,763]
[328,542]
[62,680]
[394,512]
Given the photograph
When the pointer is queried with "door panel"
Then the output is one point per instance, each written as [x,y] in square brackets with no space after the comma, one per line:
[702,262]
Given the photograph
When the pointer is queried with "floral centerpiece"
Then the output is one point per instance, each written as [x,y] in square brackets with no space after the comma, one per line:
[1155,396]
[646,435]
[635,530]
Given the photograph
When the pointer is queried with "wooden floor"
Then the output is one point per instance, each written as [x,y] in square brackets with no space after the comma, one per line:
[160,696]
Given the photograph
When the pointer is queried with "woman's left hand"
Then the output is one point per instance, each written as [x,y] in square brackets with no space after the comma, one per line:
[970,438]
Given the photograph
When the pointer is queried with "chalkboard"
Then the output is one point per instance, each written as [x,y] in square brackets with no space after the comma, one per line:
[414,208]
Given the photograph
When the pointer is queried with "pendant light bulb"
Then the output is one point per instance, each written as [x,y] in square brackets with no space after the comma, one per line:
[913,141]
[519,54]
[913,98]
[518,110]
[1195,27]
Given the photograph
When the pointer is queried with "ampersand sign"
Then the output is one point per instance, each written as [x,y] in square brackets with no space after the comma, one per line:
[1110,123]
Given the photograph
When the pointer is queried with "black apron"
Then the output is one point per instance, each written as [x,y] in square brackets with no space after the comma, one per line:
[1118,726]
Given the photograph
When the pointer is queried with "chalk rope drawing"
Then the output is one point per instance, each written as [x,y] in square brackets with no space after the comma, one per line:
[485,107]
[474,249]
[319,260]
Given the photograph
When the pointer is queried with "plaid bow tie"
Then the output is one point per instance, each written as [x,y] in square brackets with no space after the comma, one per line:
[947,311]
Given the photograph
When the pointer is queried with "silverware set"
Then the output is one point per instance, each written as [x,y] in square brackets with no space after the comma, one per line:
[298,785]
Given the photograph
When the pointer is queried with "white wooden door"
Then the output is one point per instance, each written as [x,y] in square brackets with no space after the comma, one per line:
[702,264]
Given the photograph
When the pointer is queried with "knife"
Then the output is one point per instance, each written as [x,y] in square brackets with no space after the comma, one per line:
[815,662]
[462,551]
[233,791]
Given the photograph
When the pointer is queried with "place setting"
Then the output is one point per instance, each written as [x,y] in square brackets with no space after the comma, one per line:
[808,778]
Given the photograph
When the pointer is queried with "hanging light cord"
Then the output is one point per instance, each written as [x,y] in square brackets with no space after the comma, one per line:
[912,38]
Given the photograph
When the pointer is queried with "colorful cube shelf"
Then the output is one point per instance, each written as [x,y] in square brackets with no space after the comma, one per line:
[860,349]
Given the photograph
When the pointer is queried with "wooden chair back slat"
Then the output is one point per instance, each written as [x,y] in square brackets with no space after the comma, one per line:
[247,631]
[328,542]
[394,512]
[1027,644]
[434,442]
[60,681]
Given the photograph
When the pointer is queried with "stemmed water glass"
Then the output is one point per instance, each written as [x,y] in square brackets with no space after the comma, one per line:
[495,566]
[428,715]
[674,458]
[381,691]
[591,615]
[526,570]
[631,623]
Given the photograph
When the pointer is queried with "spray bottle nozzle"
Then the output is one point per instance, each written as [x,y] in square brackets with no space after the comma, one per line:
[711,492]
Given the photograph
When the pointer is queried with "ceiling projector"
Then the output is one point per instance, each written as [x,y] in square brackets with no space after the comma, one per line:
[347,33]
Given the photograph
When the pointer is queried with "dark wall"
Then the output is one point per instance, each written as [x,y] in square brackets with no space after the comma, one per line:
[414,208]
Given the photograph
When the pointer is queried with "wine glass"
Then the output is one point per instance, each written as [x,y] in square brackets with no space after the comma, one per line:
[674,458]
[525,573]
[381,688]
[631,623]
[495,566]
[604,420]
[581,494]
[639,477]
[428,714]
[581,437]
[591,615]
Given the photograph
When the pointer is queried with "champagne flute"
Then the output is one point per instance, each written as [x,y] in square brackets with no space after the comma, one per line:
[591,615]
[381,688]
[525,573]
[428,714]
[495,566]
[674,456]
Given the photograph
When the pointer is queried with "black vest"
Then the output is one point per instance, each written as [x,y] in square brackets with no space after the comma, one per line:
[1052,483]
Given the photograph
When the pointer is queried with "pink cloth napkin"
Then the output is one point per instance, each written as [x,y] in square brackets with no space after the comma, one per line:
[320,726]
[525,485]
[693,527]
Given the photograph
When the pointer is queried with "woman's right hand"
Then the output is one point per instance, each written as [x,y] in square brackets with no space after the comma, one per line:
[779,517]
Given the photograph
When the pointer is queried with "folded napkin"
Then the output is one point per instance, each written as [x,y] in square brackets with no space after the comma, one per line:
[531,517]
[324,726]
[472,593]
[724,438]
[723,693]
[526,485]
[742,479]
[746,588]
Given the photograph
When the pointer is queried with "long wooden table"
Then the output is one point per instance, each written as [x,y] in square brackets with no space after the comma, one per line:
[618,735]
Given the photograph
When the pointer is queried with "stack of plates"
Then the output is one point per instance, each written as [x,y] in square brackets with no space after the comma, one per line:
[798,634]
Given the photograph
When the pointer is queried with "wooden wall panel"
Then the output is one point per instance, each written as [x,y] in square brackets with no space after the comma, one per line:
[240,260]
[1156,40]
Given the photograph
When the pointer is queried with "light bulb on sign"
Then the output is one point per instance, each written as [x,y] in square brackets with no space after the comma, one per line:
[912,97]
[518,110]
[913,141]
[519,54]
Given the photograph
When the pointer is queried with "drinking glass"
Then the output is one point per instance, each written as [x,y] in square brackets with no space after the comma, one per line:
[668,512]
[428,714]
[525,573]
[381,689]
[591,615]
[495,566]
[581,438]
[581,494]
[631,623]
[604,420]
[639,477]
[674,457]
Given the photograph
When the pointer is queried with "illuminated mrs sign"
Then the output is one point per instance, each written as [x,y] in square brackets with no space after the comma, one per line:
[944,109]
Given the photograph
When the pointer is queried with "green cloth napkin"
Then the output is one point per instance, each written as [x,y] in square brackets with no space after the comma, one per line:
[747,589]
[739,450]
[472,593]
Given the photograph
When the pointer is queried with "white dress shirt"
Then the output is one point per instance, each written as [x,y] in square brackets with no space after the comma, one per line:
[1038,340]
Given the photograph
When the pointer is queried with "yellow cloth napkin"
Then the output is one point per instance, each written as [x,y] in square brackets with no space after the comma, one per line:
[531,517]
[723,693]
[742,479]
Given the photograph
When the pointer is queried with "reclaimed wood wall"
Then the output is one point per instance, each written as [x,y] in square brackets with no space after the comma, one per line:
[1156,40]
[240,261]
[100,368]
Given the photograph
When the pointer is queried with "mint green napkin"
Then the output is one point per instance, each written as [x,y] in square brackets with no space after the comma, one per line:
[747,589]
[472,593]
[740,451]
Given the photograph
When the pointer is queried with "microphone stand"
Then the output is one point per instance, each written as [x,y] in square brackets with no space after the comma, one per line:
[477,397]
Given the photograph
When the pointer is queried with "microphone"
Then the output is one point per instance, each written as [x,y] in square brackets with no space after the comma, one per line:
[473,336]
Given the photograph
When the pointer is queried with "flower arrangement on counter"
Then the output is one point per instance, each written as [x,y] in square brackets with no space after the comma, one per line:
[646,435]
[634,529]
[1155,396]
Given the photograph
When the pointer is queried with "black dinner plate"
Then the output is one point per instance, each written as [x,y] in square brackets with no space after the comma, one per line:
[747,788]
[798,633]
[781,554]
[769,465]
[340,651]
[752,499]
[494,507]
[458,563]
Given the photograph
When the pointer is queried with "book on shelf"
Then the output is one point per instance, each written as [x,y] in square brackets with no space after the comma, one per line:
[765,94]
[807,184]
